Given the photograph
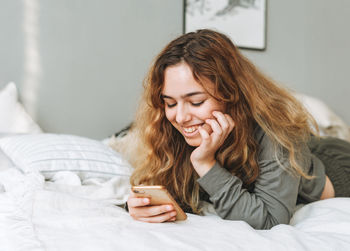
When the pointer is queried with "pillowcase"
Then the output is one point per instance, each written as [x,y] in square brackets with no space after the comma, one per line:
[330,124]
[52,153]
[13,117]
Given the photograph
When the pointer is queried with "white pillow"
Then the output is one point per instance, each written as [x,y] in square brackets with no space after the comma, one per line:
[330,124]
[13,117]
[52,153]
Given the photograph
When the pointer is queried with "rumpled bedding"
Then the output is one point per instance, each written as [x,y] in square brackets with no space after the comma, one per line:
[66,214]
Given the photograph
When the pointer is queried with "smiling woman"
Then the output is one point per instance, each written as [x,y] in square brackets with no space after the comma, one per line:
[188,106]
[212,127]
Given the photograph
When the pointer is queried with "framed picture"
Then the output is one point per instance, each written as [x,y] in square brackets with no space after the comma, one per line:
[244,21]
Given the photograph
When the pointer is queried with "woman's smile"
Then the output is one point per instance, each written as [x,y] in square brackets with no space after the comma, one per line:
[190,131]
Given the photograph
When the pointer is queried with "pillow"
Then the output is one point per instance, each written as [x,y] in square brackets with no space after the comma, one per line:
[52,153]
[13,117]
[330,124]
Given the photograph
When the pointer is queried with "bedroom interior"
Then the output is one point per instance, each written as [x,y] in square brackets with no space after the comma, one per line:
[70,77]
[89,59]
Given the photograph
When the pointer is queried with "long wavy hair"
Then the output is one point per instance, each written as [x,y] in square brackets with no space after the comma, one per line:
[161,155]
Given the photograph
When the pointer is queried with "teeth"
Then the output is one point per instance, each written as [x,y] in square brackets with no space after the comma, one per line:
[190,129]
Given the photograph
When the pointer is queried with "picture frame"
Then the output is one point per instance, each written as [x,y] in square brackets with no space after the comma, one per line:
[244,21]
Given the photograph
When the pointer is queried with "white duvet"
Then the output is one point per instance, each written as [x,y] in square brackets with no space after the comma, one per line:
[64,215]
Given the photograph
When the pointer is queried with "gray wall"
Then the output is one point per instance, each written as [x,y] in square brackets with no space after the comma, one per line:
[90,61]
[308,49]
[90,56]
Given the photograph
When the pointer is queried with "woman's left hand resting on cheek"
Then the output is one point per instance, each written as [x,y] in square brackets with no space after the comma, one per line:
[203,157]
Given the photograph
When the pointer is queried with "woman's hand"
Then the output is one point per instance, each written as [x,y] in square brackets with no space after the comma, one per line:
[140,209]
[203,157]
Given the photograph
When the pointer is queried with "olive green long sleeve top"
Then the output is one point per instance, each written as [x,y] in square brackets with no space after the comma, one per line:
[276,191]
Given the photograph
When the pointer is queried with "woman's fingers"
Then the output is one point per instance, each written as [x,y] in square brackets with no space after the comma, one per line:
[137,202]
[222,120]
[226,122]
[150,211]
[230,121]
[204,132]
[221,124]
[207,127]
[215,126]
[140,209]
[216,130]
[153,213]
[170,216]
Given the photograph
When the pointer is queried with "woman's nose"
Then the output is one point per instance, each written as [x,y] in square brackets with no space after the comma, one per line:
[182,114]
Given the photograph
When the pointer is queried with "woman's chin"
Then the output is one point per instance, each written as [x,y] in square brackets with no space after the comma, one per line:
[193,141]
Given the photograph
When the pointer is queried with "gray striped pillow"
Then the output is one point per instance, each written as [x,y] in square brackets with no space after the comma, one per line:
[51,153]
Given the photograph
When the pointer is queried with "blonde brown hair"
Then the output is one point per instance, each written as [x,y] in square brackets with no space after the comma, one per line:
[162,156]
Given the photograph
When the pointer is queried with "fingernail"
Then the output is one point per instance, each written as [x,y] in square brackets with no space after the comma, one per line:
[145,200]
[173,214]
[168,208]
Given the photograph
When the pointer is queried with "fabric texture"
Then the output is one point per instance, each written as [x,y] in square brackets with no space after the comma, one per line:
[335,154]
[5,162]
[276,191]
[13,117]
[35,217]
[52,153]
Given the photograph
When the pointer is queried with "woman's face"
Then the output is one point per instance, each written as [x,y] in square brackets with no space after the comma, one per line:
[187,103]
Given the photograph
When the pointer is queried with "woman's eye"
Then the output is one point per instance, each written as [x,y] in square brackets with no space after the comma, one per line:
[197,103]
[170,105]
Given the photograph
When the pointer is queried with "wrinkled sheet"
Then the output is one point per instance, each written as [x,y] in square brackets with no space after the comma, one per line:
[64,214]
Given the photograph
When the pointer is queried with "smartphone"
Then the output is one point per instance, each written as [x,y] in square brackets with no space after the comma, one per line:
[159,195]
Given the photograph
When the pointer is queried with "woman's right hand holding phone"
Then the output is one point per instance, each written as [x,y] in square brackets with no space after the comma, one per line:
[140,209]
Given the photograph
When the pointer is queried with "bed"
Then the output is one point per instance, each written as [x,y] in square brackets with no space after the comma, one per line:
[64,192]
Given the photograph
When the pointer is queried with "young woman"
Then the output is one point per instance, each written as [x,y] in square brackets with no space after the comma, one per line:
[212,127]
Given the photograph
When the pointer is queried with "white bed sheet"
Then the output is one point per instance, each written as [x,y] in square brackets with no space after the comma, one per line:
[39,215]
